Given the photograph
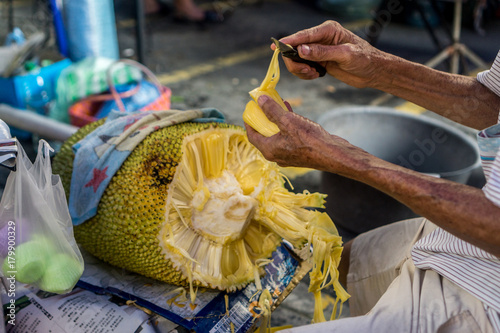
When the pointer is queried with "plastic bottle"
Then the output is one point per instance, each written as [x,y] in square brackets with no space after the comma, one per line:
[15,37]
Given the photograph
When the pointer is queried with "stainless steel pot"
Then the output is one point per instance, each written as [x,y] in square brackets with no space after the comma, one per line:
[416,142]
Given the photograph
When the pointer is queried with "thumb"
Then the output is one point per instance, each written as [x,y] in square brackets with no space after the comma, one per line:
[270,107]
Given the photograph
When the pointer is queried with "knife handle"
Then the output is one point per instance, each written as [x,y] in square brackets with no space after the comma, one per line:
[294,55]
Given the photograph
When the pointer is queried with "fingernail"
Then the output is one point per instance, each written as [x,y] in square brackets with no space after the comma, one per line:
[304,70]
[288,106]
[263,99]
[305,49]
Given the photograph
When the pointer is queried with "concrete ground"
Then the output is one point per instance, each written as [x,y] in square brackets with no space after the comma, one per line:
[217,65]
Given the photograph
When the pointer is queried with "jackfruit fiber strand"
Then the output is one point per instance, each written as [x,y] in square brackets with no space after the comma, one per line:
[197,205]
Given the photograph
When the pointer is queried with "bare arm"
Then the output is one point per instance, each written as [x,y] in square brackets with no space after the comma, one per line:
[355,62]
[460,209]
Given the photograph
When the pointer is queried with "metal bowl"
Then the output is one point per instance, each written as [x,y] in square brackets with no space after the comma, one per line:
[419,143]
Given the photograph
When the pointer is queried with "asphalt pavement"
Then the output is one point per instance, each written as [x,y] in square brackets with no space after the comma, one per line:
[217,66]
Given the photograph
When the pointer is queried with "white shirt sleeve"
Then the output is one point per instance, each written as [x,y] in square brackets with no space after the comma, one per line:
[491,78]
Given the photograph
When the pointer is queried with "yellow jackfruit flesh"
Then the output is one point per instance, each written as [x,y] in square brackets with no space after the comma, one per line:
[255,117]
[253,114]
[197,205]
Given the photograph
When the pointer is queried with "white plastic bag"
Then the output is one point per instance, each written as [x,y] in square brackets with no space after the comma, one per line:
[36,234]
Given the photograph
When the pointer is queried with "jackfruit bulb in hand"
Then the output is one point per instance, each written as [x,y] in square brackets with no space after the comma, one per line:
[253,114]
[196,204]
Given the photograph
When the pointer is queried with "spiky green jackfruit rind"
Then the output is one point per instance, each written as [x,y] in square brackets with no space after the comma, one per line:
[125,230]
[197,205]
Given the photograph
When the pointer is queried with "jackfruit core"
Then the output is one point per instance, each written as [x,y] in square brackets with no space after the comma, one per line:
[227,208]
[213,231]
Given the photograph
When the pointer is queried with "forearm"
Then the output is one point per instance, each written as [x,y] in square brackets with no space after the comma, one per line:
[354,61]
[460,98]
[460,209]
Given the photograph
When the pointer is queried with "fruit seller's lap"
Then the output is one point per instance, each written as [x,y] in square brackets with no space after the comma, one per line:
[376,260]
[387,287]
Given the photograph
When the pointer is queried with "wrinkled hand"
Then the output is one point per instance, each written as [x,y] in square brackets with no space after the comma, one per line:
[345,55]
[302,142]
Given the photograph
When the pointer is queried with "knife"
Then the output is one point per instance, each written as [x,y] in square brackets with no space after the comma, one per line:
[291,53]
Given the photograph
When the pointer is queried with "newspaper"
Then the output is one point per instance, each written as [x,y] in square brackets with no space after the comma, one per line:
[209,313]
[75,312]
[110,299]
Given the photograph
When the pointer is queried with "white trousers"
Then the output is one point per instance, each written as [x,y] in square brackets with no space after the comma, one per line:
[389,294]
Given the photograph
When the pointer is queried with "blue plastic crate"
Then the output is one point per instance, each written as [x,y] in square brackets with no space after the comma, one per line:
[17,90]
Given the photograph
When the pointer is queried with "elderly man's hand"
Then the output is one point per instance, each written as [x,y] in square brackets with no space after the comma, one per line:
[301,142]
[345,55]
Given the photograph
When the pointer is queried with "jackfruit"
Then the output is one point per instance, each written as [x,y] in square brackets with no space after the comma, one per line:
[196,204]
